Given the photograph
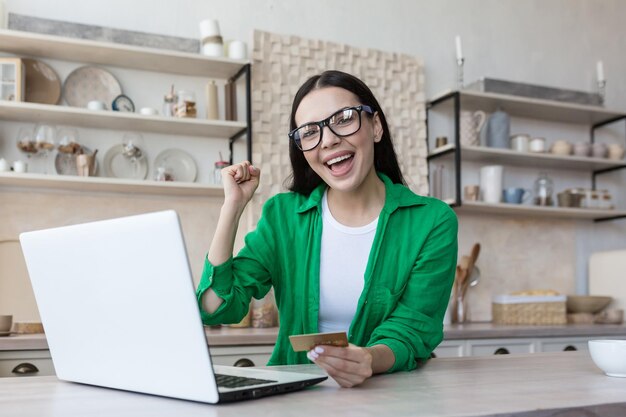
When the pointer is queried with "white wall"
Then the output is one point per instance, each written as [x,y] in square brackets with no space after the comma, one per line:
[549,42]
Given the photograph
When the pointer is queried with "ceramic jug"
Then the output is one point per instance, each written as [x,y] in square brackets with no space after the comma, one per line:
[497,130]
[472,123]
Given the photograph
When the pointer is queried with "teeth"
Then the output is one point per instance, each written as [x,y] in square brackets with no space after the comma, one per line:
[338,159]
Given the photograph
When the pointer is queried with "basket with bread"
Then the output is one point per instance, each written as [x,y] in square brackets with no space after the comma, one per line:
[535,307]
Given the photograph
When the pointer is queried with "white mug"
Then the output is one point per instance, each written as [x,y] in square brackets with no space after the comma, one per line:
[471,123]
[491,183]
[4,165]
[20,166]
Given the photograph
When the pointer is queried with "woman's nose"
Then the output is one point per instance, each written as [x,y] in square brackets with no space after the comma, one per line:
[329,139]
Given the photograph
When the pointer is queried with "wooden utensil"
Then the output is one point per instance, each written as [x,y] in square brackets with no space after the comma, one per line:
[472,259]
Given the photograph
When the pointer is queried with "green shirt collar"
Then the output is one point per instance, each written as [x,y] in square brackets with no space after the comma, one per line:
[396,195]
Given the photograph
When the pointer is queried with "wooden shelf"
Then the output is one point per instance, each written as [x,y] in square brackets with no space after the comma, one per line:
[102,184]
[550,110]
[538,211]
[526,159]
[125,56]
[75,116]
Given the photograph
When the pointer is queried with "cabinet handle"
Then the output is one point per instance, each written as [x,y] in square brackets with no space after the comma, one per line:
[501,351]
[569,348]
[244,362]
[25,369]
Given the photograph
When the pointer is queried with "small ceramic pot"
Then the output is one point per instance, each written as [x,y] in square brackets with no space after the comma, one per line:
[582,149]
[616,151]
[561,147]
[599,150]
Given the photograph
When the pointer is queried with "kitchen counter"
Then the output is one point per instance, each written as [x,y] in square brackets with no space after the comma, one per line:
[519,385]
[487,330]
[226,336]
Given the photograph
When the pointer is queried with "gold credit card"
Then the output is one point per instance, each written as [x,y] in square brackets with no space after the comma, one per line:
[302,342]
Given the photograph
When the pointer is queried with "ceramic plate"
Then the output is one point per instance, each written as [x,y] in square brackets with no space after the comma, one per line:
[42,84]
[85,84]
[119,166]
[178,163]
[65,163]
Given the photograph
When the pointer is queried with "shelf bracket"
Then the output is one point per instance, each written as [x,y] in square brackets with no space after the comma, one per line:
[607,219]
[246,71]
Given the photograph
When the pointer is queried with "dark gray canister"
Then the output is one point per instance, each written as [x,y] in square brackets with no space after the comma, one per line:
[496,132]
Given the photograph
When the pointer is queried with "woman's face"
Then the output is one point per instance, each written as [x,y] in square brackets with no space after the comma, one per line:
[342,162]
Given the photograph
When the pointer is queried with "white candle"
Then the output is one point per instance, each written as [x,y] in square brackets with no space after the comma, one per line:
[459,50]
[600,70]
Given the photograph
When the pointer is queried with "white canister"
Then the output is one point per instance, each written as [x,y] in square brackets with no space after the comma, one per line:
[213,49]
[537,145]
[20,166]
[211,38]
[237,50]
[4,165]
[209,27]
[491,183]
[520,142]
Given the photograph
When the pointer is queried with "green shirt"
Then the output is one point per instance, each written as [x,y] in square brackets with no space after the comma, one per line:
[407,284]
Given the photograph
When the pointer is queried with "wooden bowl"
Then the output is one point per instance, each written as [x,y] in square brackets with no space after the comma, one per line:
[587,303]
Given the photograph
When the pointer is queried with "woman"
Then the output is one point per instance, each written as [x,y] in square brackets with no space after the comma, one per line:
[349,248]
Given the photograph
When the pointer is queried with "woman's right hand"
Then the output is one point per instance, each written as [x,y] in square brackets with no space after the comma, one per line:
[240,182]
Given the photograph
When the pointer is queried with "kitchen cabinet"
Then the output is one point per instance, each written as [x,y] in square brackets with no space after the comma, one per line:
[257,355]
[446,109]
[18,363]
[162,62]
[500,346]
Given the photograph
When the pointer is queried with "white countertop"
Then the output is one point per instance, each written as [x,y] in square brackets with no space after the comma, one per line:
[226,336]
[471,386]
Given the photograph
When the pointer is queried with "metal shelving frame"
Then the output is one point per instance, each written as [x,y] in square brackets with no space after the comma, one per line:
[455,96]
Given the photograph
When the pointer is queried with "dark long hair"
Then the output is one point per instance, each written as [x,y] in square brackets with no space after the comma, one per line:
[303,179]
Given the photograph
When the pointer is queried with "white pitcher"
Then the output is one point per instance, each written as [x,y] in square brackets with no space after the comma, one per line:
[471,123]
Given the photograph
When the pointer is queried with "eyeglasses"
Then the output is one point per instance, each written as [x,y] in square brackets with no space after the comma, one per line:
[345,122]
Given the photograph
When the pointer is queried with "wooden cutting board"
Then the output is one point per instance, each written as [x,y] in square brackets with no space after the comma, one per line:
[607,276]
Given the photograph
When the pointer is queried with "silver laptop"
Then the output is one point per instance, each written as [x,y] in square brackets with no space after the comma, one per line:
[118,305]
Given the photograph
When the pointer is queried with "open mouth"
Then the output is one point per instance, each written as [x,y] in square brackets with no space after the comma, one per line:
[340,163]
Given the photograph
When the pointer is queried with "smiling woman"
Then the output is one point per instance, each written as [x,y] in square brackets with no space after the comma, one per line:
[349,248]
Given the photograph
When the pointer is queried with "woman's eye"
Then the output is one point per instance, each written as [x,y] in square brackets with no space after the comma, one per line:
[308,134]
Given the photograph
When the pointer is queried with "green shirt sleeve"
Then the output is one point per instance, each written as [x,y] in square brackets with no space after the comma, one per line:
[415,328]
[240,278]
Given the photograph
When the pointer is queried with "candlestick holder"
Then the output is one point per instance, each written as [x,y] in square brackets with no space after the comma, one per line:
[602,90]
[459,72]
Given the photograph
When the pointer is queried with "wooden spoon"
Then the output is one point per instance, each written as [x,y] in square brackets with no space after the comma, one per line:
[472,258]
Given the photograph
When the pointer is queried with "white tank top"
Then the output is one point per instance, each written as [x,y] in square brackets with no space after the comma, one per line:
[344,255]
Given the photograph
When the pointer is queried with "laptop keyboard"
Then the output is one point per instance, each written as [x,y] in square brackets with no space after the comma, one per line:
[231,381]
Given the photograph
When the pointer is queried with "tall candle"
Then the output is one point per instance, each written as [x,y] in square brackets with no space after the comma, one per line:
[459,50]
[600,70]
[211,101]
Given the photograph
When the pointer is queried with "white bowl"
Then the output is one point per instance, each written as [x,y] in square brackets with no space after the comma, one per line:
[610,356]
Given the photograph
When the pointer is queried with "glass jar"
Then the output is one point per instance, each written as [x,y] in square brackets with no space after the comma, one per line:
[217,171]
[169,104]
[186,104]
[544,187]
[605,200]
